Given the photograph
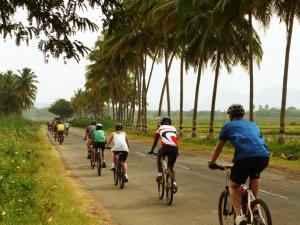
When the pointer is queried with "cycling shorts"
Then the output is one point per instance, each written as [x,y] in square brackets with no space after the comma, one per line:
[249,167]
[122,155]
[100,145]
[171,152]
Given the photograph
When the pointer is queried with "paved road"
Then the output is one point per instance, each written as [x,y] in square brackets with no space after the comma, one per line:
[198,188]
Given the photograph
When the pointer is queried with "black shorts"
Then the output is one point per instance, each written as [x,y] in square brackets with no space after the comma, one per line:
[171,152]
[250,167]
[100,145]
[122,155]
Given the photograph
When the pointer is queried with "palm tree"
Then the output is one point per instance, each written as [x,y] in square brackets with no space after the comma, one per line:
[230,44]
[286,10]
[27,88]
[262,12]
[10,98]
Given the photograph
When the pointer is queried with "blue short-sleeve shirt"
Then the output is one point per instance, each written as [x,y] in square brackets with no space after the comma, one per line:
[246,138]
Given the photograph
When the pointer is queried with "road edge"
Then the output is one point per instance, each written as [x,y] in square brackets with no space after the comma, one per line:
[95,208]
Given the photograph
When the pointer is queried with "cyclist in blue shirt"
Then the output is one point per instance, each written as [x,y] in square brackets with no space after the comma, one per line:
[251,155]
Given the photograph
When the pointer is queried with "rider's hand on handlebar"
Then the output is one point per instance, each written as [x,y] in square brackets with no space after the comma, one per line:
[212,166]
[151,152]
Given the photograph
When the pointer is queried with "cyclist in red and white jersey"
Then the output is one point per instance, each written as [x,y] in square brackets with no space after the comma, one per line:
[169,147]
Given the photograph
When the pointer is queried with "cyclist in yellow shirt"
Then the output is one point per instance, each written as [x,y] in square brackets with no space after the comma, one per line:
[60,129]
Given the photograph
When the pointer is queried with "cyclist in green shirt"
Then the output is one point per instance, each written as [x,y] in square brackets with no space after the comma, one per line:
[99,142]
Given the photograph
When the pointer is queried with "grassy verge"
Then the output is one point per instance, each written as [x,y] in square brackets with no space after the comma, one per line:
[33,186]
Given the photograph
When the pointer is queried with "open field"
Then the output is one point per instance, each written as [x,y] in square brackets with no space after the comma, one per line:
[269,128]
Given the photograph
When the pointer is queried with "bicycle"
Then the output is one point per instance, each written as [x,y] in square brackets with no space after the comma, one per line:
[60,137]
[255,210]
[119,172]
[99,162]
[166,184]
[66,132]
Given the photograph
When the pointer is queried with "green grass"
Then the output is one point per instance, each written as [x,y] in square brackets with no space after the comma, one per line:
[33,186]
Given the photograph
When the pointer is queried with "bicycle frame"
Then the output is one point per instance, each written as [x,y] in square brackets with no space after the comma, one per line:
[250,196]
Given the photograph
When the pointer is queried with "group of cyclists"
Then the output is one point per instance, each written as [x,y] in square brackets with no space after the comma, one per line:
[58,128]
[251,154]
[96,139]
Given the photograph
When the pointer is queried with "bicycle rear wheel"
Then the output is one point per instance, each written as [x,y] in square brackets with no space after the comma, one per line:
[121,175]
[116,172]
[161,187]
[169,188]
[261,213]
[225,210]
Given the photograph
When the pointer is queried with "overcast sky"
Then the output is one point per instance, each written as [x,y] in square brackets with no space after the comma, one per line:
[59,80]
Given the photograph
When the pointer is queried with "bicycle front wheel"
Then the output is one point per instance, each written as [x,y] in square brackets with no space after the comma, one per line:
[225,210]
[169,188]
[161,187]
[261,213]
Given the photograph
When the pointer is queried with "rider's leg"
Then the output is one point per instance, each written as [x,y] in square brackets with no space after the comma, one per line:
[255,186]
[235,197]
[158,160]
[102,155]
[125,169]
[113,161]
[94,150]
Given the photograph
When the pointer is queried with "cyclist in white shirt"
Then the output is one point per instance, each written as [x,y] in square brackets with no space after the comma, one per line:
[120,144]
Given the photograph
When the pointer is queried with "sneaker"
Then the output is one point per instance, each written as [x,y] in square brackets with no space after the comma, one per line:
[175,188]
[125,179]
[241,220]
[158,179]
[104,165]
[112,167]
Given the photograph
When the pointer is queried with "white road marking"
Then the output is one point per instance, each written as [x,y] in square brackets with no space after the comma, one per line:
[183,167]
[280,196]
[141,154]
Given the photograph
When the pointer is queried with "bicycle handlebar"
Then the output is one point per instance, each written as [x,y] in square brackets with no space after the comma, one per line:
[214,166]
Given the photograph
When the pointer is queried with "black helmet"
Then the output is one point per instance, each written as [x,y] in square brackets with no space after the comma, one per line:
[236,110]
[93,122]
[165,121]
[99,126]
[119,127]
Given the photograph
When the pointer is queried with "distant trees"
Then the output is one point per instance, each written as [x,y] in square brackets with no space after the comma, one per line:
[17,91]
[62,108]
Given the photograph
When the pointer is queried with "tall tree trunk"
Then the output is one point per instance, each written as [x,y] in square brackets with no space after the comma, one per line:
[285,75]
[126,98]
[134,98]
[251,104]
[195,111]
[161,99]
[151,70]
[164,85]
[181,96]
[167,82]
[138,121]
[214,96]
[144,95]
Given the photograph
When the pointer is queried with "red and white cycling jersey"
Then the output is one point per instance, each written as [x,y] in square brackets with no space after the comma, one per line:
[168,135]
